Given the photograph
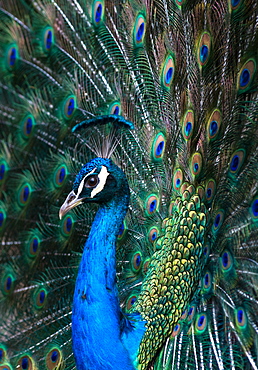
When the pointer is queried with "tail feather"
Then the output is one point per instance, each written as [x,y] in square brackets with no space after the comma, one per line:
[185,73]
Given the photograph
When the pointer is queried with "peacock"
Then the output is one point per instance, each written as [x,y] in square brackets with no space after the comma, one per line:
[129,184]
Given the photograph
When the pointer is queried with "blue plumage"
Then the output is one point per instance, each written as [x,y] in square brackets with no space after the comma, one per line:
[98,341]
[136,121]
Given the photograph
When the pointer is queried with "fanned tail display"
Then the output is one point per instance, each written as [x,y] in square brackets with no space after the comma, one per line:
[100,101]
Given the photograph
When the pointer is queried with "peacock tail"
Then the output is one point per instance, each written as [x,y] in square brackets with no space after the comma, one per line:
[184,72]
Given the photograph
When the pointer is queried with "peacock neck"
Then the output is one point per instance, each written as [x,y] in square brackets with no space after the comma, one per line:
[96,313]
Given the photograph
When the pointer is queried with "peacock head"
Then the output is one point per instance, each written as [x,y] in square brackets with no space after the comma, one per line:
[98,181]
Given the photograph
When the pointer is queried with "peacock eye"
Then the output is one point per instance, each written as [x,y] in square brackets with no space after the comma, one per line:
[91,181]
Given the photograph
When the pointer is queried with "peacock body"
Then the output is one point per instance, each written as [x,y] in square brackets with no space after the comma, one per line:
[149,109]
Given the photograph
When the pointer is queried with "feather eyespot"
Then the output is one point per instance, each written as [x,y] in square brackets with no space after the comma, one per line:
[53,359]
[3,170]
[235,4]
[213,129]
[184,315]
[139,30]
[48,38]
[136,261]
[210,190]
[60,176]
[168,72]
[246,75]
[191,313]
[69,107]
[204,52]
[188,129]
[178,179]
[236,161]
[67,225]
[25,363]
[115,109]
[196,165]
[201,323]
[145,266]
[214,123]
[153,234]
[226,261]
[151,204]
[130,302]
[204,49]
[2,354]
[40,298]
[206,250]
[27,127]
[158,147]
[241,318]
[176,331]
[207,281]
[254,208]
[208,193]
[24,194]
[218,220]
[33,246]
[12,57]
[98,12]
[122,231]
[7,283]
[188,125]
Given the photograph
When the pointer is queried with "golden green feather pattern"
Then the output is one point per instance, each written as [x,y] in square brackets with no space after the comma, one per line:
[174,271]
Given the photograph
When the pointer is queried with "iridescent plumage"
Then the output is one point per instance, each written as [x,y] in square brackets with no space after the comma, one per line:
[166,93]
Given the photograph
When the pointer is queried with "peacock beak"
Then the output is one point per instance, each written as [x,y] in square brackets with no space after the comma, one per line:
[71,201]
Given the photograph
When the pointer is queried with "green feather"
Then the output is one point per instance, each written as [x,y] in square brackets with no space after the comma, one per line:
[184,73]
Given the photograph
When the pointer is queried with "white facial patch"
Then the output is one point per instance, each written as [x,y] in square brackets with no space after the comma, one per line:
[81,186]
[102,181]
[103,175]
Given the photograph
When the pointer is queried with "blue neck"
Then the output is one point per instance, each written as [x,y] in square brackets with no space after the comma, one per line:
[96,315]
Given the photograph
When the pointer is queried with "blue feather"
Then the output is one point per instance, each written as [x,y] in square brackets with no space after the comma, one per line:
[136,121]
